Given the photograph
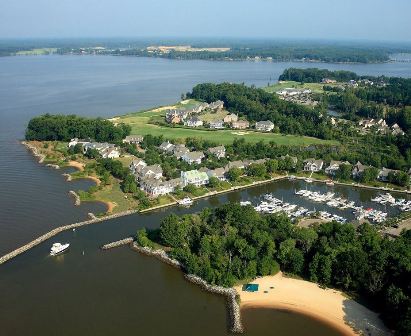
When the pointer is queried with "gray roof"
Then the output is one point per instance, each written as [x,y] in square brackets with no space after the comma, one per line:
[264,123]
[216,150]
[218,172]
[194,156]
[156,169]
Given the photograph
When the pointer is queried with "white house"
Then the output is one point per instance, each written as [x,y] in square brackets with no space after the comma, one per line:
[167,147]
[193,157]
[153,172]
[137,164]
[334,166]
[218,151]
[110,153]
[194,177]
[264,126]
[218,124]
[76,141]
[193,122]
[313,165]
[156,188]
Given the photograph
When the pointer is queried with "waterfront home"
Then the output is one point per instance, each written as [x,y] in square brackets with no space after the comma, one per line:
[153,171]
[240,124]
[193,122]
[136,165]
[194,177]
[235,164]
[180,150]
[167,147]
[217,105]
[218,173]
[133,139]
[396,130]
[293,159]
[292,92]
[156,188]
[76,141]
[313,165]
[384,173]
[264,126]
[199,108]
[334,166]
[358,169]
[110,153]
[218,124]
[228,119]
[176,116]
[193,157]
[218,151]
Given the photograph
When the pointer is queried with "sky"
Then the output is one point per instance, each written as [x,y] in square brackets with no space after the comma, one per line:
[378,20]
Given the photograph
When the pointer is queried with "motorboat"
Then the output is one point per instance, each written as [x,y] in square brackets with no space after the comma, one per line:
[186,201]
[58,248]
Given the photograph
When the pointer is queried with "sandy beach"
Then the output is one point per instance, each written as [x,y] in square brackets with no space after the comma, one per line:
[328,305]
[76,164]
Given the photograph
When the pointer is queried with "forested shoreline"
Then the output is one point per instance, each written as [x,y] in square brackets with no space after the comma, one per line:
[234,243]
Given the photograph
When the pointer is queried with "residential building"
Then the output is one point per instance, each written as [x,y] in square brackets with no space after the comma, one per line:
[167,147]
[358,169]
[133,139]
[194,177]
[180,150]
[313,165]
[264,126]
[334,166]
[218,124]
[396,130]
[153,172]
[136,165]
[240,124]
[218,151]
[235,164]
[193,157]
[328,81]
[228,119]
[293,159]
[156,188]
[106,150]
[193,122]
[218,173]
[110,153]
[76,141]
[384,172]
[217,105]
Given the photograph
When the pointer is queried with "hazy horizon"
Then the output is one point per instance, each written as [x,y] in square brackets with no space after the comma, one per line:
[368,20]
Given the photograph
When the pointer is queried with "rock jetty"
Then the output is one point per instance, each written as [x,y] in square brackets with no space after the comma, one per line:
[77,199]
[118,243]
[231,294]
[35,151]
[58,230]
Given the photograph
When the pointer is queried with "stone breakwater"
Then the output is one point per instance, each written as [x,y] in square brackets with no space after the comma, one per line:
[231,297]
[122,242]
[159,254]
[77,200]
[230,293]
[58,230]
[35,151]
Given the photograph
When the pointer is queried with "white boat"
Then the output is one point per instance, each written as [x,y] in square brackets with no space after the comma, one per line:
[309,180]
[186,201]
[58,248]
[244,203]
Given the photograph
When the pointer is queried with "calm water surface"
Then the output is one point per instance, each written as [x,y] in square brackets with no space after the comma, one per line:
[116,292]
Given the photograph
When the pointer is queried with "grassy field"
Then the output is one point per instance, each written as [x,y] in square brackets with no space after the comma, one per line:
[34,52]
[140,124]
[314,87]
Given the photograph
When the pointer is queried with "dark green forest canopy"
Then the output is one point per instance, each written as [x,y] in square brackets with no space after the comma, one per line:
[257,105]
[63,128]
[231,243]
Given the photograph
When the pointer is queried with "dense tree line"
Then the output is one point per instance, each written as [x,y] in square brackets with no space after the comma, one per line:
[258,105]
[232,243]
[315,75]
[65,127]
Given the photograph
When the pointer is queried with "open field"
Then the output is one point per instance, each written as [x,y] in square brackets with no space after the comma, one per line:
[314,87]
[140,124]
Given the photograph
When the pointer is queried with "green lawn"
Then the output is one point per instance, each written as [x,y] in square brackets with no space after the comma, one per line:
[38,51]
[139,122]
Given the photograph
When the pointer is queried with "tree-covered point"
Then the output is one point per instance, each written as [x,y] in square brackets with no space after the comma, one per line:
[315,75]
[257,105]
[232,243]
[65,127]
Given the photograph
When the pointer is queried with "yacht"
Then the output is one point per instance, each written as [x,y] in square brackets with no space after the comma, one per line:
[244,203]
[186,201]
[58,248]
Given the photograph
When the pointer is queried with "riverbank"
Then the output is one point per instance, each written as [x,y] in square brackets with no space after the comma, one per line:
[304,297]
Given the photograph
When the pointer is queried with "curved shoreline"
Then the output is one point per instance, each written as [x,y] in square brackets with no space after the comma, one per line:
[330,306]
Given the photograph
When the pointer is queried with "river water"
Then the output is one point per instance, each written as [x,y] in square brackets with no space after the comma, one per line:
[119,291]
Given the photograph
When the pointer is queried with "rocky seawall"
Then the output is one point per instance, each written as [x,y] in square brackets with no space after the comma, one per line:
[230,294]
[77,200]
[35,151]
